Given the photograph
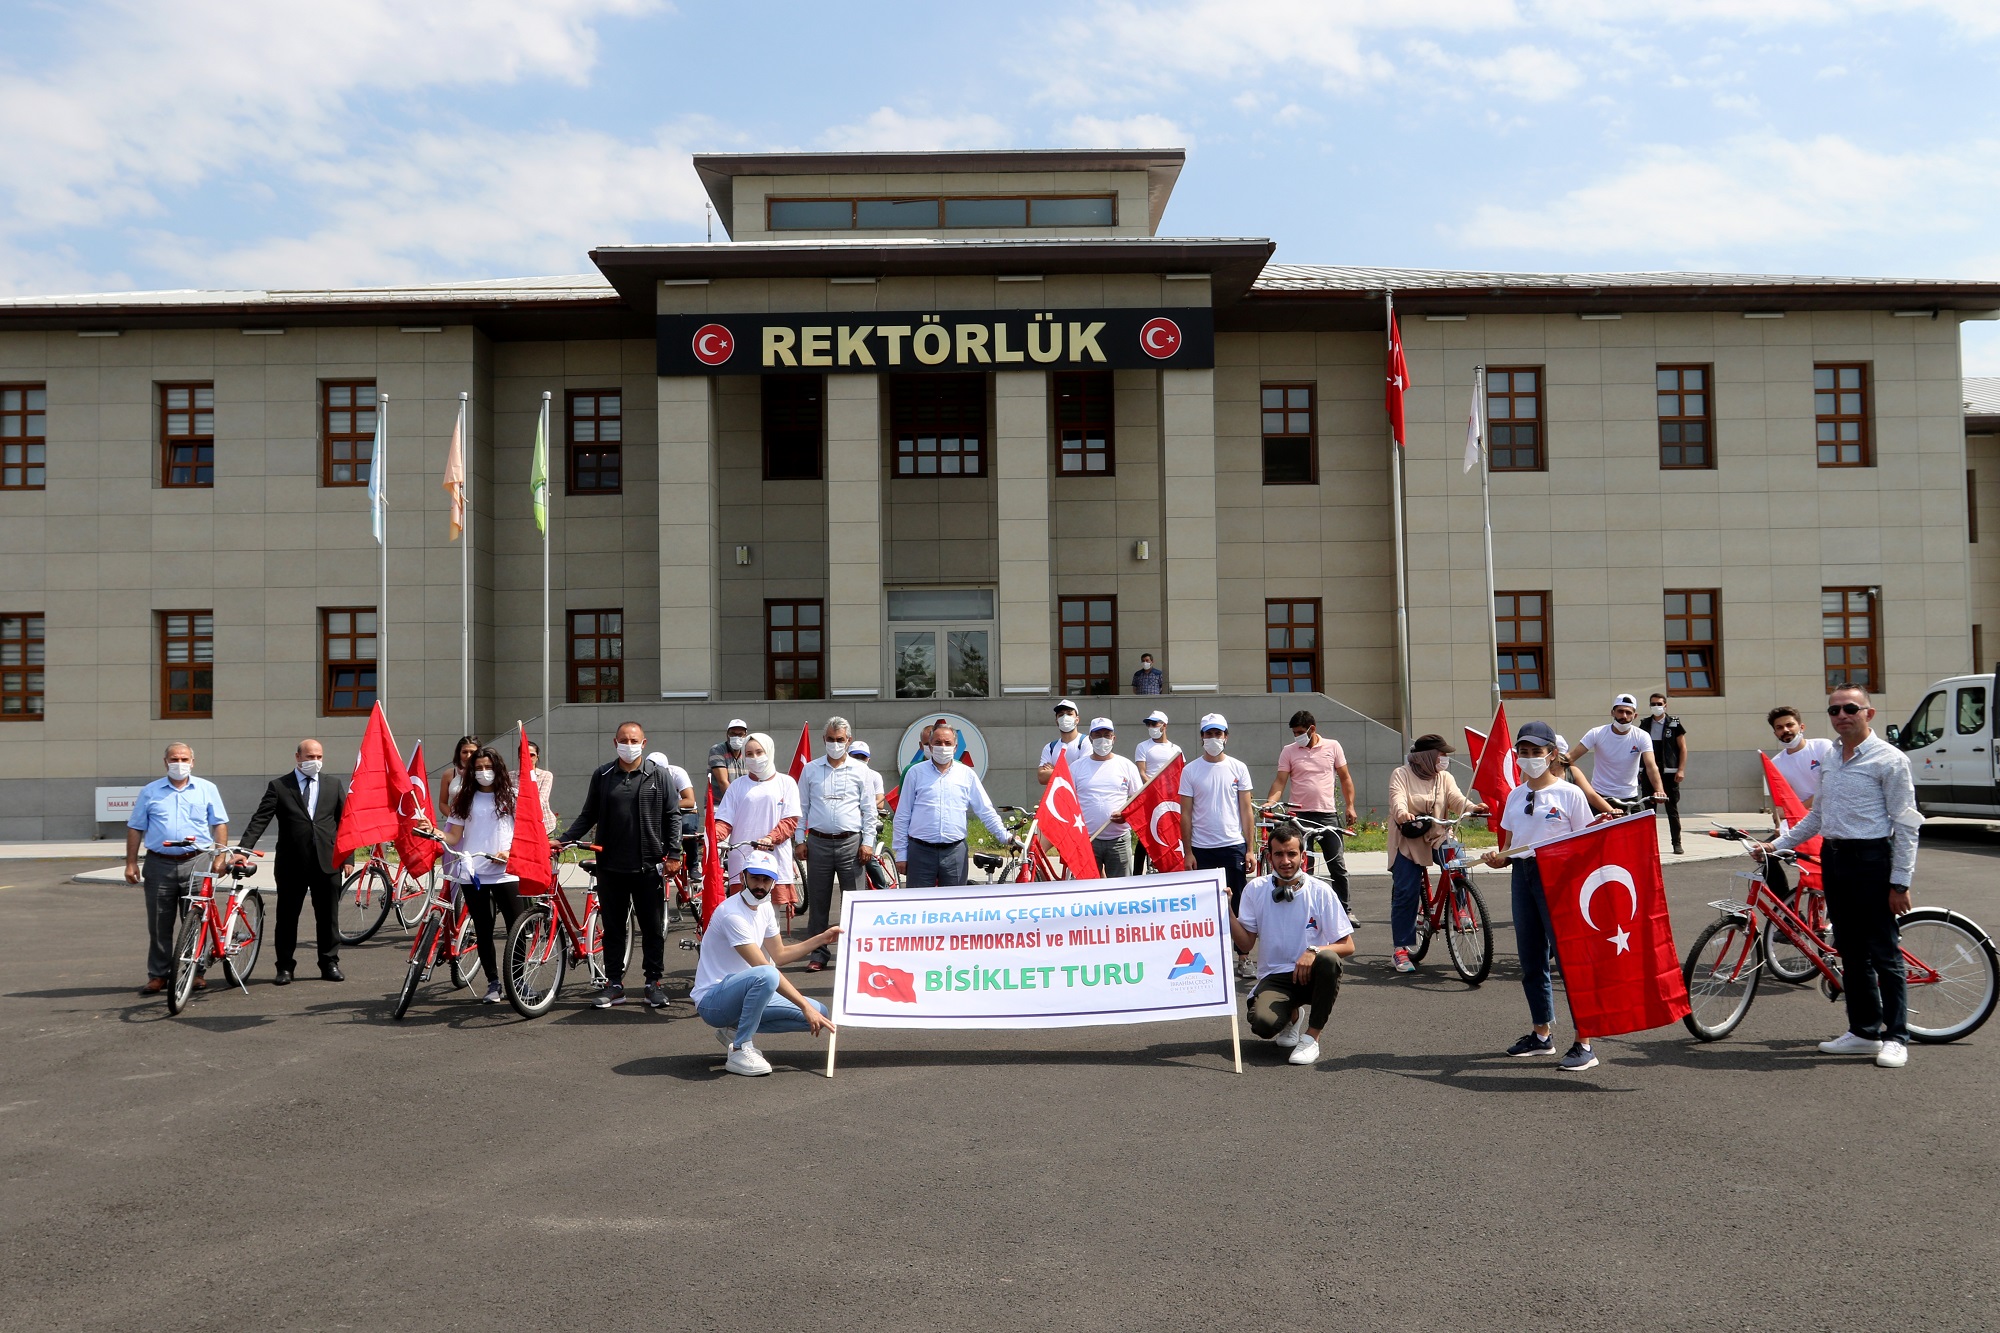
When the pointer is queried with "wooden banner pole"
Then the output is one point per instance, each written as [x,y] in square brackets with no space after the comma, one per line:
[832,1040]
[1235,1040]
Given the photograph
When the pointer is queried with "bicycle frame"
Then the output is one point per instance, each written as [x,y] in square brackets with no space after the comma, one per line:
[212,936]
[1824,957]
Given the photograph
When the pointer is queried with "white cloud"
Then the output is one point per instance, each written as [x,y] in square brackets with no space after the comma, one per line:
[888,130]
[1532,73]
[1131,132]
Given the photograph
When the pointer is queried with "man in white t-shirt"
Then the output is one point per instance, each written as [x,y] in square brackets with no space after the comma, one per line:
[1622,752]
[738,989]
[1300,932]
[1216,814]
[1069,741]
[1800,759]
[1105,782]
[1156,751]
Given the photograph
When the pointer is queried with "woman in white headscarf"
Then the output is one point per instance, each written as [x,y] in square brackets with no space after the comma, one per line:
[761,810]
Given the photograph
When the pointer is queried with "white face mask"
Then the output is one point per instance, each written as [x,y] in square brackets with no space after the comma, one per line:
[1100,746]
[1157,733]
[1659,710]
[1065,723]
[485,777]
[630,753]
[760,766]
[180,771]
[1533,766]
[1303,740]
[1620,727]
[836,749]
[736,743]
[310,767]
[1798,739]
[941,754]
[1212,745]
[750,889]
[1444,765]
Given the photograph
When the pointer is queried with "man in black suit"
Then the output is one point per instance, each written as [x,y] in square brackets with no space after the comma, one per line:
[307,806]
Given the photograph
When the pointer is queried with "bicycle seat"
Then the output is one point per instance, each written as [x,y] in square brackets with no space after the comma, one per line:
[988,861]
[589,867]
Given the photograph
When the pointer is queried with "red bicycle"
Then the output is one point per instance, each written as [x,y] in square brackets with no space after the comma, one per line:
[234,934]
[373,888]
[551,936]
[1453,908]
[1026,861]
[445,931]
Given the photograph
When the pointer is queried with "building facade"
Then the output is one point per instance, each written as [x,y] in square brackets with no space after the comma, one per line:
[964,431]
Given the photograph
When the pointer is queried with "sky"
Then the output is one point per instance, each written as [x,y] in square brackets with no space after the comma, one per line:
[212,143]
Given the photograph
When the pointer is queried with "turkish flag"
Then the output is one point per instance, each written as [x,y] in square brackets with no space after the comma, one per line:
[1059,818]
[888,983]
[1493,773]
[1608,905]
[712,887]
[377,795]
[1398,379]
[417,854]
[1155,817]
[528,858]
[804,754]
[1792,810]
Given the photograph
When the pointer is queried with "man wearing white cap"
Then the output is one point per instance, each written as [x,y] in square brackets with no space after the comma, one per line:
[1215,813]
[1622,752]
[725,757]
[1069,741]
[1156,751]
[1104,783]
[738,989]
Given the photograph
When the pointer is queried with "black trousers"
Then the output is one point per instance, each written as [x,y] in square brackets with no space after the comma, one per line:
[480,899]
[1229,860]
[1277,998]
[1672,787]
[323,887]
[621,893]
[828,860]
[1856,876]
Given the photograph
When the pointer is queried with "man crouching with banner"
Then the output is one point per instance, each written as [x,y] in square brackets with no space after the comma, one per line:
[738,989]
[1301,933]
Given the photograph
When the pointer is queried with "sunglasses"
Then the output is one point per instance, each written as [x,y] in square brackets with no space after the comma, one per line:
[1835,710]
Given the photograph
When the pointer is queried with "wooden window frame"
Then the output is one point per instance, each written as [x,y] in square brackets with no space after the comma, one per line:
[1680,419]
[1834,422]
[359,445]
[329,664]
[1681,623]
[24,452]
[183,629]
[1872,671]
[1289,650]
[899,430]
[1496,422]
[1289,412]
[24,637]
[1544,647]
[598,448]
[595,692]
[1079,683]
[1084,405]
[791,433]
[192,439]
[795,655]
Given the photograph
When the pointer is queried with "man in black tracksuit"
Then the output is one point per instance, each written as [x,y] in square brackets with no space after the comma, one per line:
[633,805]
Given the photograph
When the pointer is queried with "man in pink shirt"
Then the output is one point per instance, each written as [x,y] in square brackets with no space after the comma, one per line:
[1321,787]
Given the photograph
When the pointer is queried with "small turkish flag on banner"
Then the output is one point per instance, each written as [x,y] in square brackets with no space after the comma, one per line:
[528,858]
[1792,810]
[1608,905]
[1493,773]
[417,854]
[378,793]
[804,754]
[1155,817]
[889,983]
[1399,378]
[712,887]
[1059,819]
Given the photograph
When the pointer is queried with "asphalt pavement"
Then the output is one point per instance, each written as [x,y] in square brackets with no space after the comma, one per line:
[295,1158]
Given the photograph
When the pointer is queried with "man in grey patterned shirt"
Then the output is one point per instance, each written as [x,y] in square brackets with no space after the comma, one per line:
[1866,812]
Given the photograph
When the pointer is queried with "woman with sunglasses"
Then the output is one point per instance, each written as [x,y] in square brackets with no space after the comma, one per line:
[481,830]
[1542,809]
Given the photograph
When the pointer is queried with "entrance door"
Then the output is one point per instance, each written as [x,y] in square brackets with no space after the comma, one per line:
[941,642]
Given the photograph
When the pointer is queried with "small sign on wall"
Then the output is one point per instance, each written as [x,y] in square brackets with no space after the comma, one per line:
[114,804]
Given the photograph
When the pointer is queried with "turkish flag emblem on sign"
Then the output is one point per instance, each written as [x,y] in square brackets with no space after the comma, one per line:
[713,344]
[1160,337]
[1155,817]
[889,983]
[1059,819]
[1609,908]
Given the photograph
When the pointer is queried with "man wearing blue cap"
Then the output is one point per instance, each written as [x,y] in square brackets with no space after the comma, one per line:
[738,989]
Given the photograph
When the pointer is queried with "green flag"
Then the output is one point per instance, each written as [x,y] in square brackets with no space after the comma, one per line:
[538,478]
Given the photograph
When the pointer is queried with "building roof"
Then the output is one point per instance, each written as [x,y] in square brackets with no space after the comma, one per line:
[1982,402]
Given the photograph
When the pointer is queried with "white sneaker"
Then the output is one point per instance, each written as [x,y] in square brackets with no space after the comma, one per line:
[1306,1052]
[1848,1043]
[1893,1055]
[747,1060]
[1294,1032]
[726,1036]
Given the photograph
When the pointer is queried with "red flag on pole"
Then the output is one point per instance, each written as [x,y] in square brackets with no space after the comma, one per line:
[528,859]
[804,754]
[376,797]
[1060,820]
[1155,817]
[1493,772]
[1608,905]
[712,887]
[1398,379]
[1792,810]
[417,854]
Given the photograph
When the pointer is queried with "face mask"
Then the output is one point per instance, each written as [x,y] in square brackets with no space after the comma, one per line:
[1303,740]
[1795,742]
[485,777]
[1533,767]
[941,754]
[1065,723]
[836,749]
[1444,765]
[750,889]
[1157,733]
[310,767]
[1283,890]
[760,767]
[736,743]
[1659,710]
[179,771]
[1100,746]
[630,753]
[1620,727]
[1212,745]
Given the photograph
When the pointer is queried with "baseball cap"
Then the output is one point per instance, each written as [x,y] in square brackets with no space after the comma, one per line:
[736,722]
[1157,716]
[1214,722]
[761,862]
[658,757]
[1101,724]
[1065,703]
[859,749]
[1562,743]
[1624,701]
[1541,733]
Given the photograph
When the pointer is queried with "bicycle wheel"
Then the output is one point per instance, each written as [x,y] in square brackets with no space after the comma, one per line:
[1721,973]
[1468,934]
[190,948]
[364,903]
[1422,945]
[1959,971]
[420,962]
[412,896]
[536,962]
[246,939]
[465,956]
[1786,960]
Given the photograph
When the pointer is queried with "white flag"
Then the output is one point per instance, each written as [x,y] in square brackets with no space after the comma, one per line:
[1472,440]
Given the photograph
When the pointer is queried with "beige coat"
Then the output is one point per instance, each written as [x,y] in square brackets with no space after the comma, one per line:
[1410,796]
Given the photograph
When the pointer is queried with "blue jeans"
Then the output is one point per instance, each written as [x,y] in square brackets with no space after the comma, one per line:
[1534,937]
[1406,897]
[750,1003]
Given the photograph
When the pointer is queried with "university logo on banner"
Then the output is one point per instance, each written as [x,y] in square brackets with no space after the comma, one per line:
[1608,904]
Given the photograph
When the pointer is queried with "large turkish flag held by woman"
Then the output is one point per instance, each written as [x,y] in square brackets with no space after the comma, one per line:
[1608,904]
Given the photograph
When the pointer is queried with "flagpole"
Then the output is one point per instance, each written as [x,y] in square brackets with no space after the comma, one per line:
[1486,505]
[380,463]
[1396,520]
[465,564]
[547,396]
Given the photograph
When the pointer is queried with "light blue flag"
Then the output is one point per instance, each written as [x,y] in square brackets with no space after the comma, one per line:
[378,499]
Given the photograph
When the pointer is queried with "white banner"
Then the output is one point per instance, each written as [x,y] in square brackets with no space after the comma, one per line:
[1072,953]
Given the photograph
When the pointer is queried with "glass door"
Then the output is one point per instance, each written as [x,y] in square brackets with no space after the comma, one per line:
[941,642]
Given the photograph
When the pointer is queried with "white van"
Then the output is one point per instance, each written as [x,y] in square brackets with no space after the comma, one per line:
[1950,739]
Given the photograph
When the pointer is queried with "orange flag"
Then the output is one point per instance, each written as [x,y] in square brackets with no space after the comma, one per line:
[378,795]
[454,475]
[528,858]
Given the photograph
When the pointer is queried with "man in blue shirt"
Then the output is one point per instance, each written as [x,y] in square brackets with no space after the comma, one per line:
[176,808]
[1146,680]
[931,811]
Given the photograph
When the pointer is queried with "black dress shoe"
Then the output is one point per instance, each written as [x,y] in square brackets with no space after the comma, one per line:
[330,972]
[284,977]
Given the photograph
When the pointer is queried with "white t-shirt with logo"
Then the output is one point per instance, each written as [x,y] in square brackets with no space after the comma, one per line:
[1534,817]
[1103,786]
[1803,768]
[1077,748]
[1152,756]
[1217,821]
[1312,918]
[735,922]
[1618,759]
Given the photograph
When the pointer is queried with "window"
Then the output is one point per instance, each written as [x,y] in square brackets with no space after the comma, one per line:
[794,650]
[1083,423]
[1089,644]
[187,433]
[1291,647]
[1291,451]
[1521,620]
[596,442]
[347,660]
[1971,711]
[187,663]
[347,431]
[1926,725]
[1514,418]
[21,660]
[24,437]
[1840,414]
[794,427]
[597,657]
[1848,626]
[927,213]
[1687,423]
[1694,641]
[939,423]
